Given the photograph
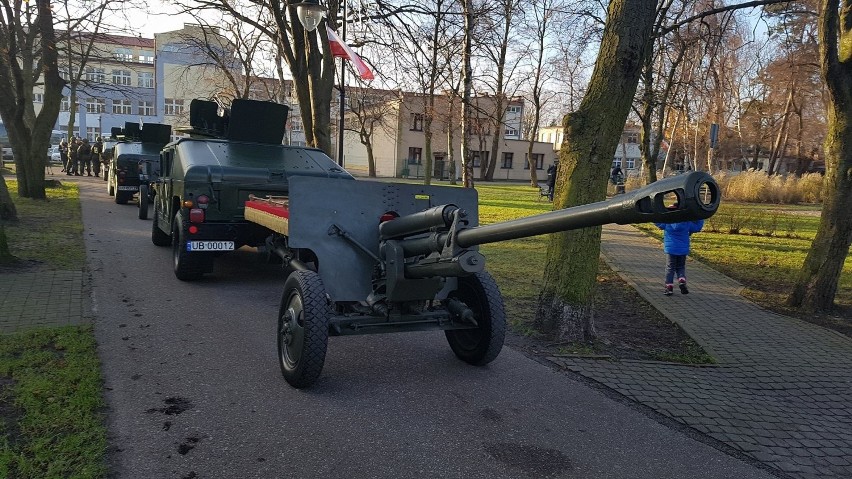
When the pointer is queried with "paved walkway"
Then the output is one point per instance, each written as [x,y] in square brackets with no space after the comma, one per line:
[781,391]
[40,299]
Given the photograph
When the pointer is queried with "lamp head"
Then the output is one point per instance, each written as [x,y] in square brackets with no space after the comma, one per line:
[310,13]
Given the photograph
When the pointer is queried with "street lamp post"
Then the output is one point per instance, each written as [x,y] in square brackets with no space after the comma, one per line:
[310,14]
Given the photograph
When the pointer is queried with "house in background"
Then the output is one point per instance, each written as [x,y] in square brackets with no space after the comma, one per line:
[627,154]
[154,80]
[399,142]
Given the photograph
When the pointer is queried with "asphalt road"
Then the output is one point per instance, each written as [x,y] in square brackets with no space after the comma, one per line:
[194,390]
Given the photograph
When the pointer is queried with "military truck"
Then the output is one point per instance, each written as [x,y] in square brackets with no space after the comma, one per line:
[134,145]
[206,178]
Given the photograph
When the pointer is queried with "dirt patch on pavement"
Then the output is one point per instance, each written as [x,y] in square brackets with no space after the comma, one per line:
[627,326]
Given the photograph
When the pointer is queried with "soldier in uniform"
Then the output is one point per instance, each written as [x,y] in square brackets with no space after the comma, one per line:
[63,156]
[73,159]
[97,151]
[84,155]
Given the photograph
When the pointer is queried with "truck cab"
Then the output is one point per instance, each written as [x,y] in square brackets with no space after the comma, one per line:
[205,180]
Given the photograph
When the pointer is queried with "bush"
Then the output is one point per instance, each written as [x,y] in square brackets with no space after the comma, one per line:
[758,187]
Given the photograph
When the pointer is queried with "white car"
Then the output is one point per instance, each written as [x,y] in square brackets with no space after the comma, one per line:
[53,155]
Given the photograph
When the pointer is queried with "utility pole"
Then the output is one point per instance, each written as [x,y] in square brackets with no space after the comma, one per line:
[342,95]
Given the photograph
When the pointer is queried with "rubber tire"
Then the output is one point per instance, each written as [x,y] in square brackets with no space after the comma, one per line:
[110,188]
[121,197]
[158,237]
[482,345]
[303,320]
[143,202]
[188,266]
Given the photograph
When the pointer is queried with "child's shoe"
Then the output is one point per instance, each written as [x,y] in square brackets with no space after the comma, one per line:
[682,285]
[668,291]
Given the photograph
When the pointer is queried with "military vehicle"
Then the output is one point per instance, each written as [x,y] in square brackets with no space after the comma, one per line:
[134,145]
[205,179]
[149,171]
[106,156]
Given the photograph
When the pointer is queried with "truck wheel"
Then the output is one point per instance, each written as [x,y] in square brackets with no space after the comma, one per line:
[188,266]
[143,202]
[479,346]
[158,237]
[110,188]
[302,328]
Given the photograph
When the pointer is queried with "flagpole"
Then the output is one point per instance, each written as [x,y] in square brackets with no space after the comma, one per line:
[342,96]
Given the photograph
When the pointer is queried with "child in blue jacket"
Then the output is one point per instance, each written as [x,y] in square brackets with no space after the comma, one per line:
[676,246]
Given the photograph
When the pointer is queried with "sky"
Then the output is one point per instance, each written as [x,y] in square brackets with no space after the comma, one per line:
[164,21]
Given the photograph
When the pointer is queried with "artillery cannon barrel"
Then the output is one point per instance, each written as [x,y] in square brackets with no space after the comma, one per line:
[697,198]
[441,216]
[696,194]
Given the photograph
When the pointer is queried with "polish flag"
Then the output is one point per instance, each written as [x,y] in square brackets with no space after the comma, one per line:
[341,49]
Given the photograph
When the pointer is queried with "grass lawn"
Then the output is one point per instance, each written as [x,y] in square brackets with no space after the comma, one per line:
[50,384]
[48,233]
[50,398]
[765,265]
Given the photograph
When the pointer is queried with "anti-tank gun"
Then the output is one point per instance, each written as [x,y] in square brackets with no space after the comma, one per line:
[369,257]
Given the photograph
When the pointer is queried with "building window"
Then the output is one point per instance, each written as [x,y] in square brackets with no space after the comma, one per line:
[65,105]
[146,79]
[123,54]
[632,137]
[616,162]
[95,105]
[92,133]
[64,72]
[538,158]
[507,161]
[121,77]
[173,106]
[146,56]
[146,108]
[511,131]
[479,157]
[631,163]
[417,122]
[296,124]
[121,107]
[513,109]
[415,156]
[95,75]
[38,98]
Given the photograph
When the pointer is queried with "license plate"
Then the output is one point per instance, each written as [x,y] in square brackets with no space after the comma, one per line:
[210,246]
[128,188]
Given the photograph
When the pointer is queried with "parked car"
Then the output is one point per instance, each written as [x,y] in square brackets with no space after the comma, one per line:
[53,155]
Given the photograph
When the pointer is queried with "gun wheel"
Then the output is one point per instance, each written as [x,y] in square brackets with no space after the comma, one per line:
[143,202]
[302,328]
[482,345]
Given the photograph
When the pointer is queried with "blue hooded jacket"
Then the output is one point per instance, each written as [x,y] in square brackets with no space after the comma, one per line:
[676,235]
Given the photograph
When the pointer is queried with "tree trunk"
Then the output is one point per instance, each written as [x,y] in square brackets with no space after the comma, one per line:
[8,212]
[467,52]
[816,283]
[427,150]
[775,154]
[593,131]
